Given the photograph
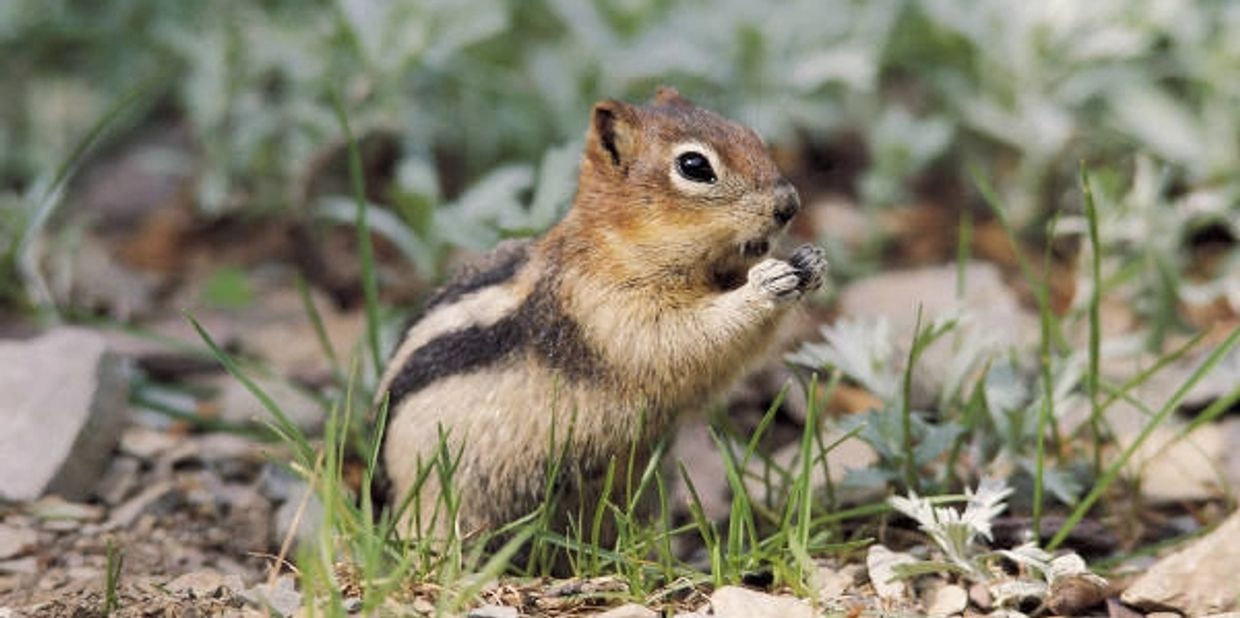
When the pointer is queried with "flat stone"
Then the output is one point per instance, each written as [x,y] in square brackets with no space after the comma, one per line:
[146,443]
[629,610]
[309,521]
[980,596]
[947,600]
[995,315]
[897,295]
[831,583]
[20,566]
[156,498]
[881,563]
[16,541]
[1174,470]
[281,597]
[65,405]
[1115,609]
[737,602]
[493,611]
[55,508]
[1197,580]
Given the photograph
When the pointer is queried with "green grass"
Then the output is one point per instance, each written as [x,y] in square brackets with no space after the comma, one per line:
[112,578]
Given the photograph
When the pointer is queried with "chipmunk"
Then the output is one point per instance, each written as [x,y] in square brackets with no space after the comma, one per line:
[648,299]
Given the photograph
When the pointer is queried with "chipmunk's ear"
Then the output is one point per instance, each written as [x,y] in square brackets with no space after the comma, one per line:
[613,133]
[669,96]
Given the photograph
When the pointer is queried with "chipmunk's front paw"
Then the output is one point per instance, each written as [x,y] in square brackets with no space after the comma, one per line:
[810,263]
[776,279]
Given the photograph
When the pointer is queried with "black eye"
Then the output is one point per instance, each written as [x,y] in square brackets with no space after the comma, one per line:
[696,167]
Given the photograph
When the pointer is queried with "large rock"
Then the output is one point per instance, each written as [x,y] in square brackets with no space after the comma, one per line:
[993,317]
[896,296]
[64,406]
[737,602]
[1197,580]
[1174,469]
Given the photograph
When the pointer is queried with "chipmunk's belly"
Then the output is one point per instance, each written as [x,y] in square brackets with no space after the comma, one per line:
[503,422]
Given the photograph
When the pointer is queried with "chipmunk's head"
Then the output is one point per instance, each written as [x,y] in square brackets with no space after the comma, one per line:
[692,190]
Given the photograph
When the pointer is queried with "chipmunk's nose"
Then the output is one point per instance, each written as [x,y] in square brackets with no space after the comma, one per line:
[787,203]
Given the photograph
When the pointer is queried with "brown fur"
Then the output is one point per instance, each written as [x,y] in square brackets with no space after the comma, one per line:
[640,304]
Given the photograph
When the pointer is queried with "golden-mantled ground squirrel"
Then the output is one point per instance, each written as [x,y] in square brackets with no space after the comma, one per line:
[649,298]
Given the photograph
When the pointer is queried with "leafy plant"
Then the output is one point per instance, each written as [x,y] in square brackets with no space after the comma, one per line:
[956,533]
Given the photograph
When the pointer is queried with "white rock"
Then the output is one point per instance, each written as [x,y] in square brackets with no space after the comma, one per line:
[896,296]
[64,406]
[16,541]
[311,518]
[21,566]
[832,584]
[493,611]
[281,597]
[947,600]
[997,319]
[737,602]
[146,443]
[630,610]
[1173,471]
[1197,580]
[153,498]
[881,563]
[1230,428]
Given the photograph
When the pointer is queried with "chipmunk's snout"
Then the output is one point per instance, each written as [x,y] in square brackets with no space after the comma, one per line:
[787,202]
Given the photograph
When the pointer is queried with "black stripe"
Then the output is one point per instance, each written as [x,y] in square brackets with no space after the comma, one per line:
[497,266]
[538,325]
[456,352]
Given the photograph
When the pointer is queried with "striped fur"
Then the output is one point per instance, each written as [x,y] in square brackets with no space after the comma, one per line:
[648,299]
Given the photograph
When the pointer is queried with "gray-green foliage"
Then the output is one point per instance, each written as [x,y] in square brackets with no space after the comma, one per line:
[1030,86]
[982,402]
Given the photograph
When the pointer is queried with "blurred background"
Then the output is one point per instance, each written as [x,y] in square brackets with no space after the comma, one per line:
[470,113]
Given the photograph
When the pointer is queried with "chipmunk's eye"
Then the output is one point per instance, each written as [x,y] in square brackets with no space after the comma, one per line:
[696,167]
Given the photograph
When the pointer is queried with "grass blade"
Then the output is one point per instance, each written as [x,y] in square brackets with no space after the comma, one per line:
[1113,471]
[285,426]
[1095,319]
[370,280]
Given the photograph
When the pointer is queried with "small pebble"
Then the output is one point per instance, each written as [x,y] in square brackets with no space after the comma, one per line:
[493,611]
